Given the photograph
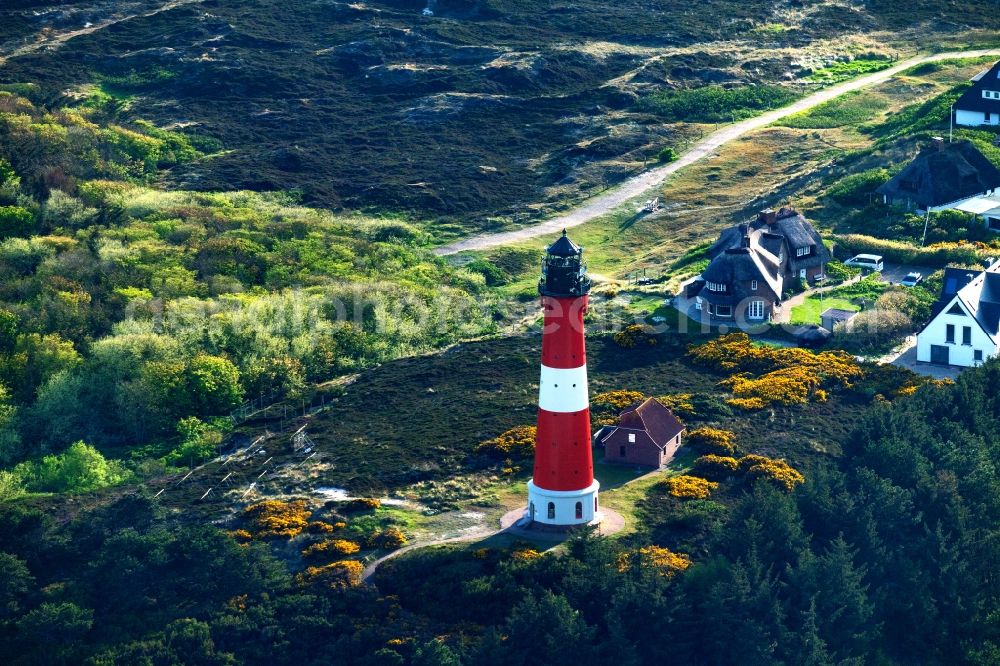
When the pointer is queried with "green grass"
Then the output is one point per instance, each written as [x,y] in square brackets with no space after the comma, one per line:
[850,109]
[843,71]
[712,104]
[809,312]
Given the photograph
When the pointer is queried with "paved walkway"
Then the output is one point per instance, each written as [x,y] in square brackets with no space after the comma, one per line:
[610,523]
[640,185]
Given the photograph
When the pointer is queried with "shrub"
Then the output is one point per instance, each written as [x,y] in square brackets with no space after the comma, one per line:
[15,221]
[320,527]
[689,487]
[712,440]
[275,518]
[633,336]
[361,504]
[80,468]
[667,155]
[525,555]
[617,400]
[937,255]
[788,386]
[666,562]
[517,442]
[839,272]
[681,404]
[714,467]
[390,538]
[345,573]
[337,547]
[777,471]
[791,375]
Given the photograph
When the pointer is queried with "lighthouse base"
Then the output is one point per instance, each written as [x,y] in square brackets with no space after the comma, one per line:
[562,508]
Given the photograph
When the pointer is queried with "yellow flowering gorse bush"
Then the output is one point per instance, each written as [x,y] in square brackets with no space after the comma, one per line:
[617,400]
[664,560]
[634,335]
[275,518]
[712,440]
[517,442]
[345,573]
[689,487]
[337,547]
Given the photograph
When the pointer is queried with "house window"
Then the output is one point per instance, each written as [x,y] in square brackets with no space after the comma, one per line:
[552,510]
[753,285]
[803,251]
[966,335]
[621,451]
[755,310]
[579,510]
[631,438]
[715,286]
[977,356]
[949,333]
[723,310]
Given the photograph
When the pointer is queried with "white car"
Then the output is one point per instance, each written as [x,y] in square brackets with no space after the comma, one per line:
[871,262]
[911,279]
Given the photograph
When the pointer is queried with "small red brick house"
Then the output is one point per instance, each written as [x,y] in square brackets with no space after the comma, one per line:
[647,434]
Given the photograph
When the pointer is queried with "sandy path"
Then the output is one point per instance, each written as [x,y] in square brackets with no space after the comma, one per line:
[59,38]
[641,184]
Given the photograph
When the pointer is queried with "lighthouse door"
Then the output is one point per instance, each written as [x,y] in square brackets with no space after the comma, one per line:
[531,511]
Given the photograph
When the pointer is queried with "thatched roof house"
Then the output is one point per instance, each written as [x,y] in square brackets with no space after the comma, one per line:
[941,174]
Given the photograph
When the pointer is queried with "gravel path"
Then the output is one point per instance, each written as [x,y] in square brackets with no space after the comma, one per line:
[641,184]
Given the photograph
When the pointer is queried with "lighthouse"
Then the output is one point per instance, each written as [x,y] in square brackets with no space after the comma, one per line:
[562,491]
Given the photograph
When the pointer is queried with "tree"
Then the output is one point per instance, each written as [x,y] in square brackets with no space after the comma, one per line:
[51,630]
[79,469]
[215,385]
[15,583]
[15,221]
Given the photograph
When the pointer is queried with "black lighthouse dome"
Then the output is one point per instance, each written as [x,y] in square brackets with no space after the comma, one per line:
[563,272]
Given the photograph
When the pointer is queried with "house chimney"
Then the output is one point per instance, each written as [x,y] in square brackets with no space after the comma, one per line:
[744,235]
[938,142]
[767,216]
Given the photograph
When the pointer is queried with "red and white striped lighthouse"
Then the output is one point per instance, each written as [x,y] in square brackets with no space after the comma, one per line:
[562,490]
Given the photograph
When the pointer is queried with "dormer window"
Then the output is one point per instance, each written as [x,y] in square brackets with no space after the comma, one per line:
[715,286]
[991,94]
[803,251]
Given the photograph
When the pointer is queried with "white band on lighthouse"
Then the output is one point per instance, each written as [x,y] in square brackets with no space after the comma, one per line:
[563,389]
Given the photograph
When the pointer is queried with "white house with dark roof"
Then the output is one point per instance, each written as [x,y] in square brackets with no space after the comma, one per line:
[965,330]
[980,104]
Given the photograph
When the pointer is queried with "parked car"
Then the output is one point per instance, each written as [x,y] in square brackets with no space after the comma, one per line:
[871,262]
[911,279]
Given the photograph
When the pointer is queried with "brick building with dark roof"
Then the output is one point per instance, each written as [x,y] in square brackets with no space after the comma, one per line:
[752,263]
[647,434]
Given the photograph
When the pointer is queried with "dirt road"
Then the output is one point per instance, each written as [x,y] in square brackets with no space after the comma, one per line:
[641,184]
[55,39]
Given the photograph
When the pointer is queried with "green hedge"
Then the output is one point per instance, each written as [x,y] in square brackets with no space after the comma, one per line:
[896,251]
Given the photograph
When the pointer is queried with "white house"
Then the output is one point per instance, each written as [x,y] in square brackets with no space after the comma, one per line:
[965,330]
[980,104]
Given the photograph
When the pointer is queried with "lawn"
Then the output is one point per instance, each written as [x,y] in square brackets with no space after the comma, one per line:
[813,307]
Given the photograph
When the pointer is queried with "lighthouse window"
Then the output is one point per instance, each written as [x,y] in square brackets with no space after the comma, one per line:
[579,510]
[631,438]
[552,510]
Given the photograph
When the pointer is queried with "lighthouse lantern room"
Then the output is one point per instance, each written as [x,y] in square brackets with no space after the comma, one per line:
[562,491]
